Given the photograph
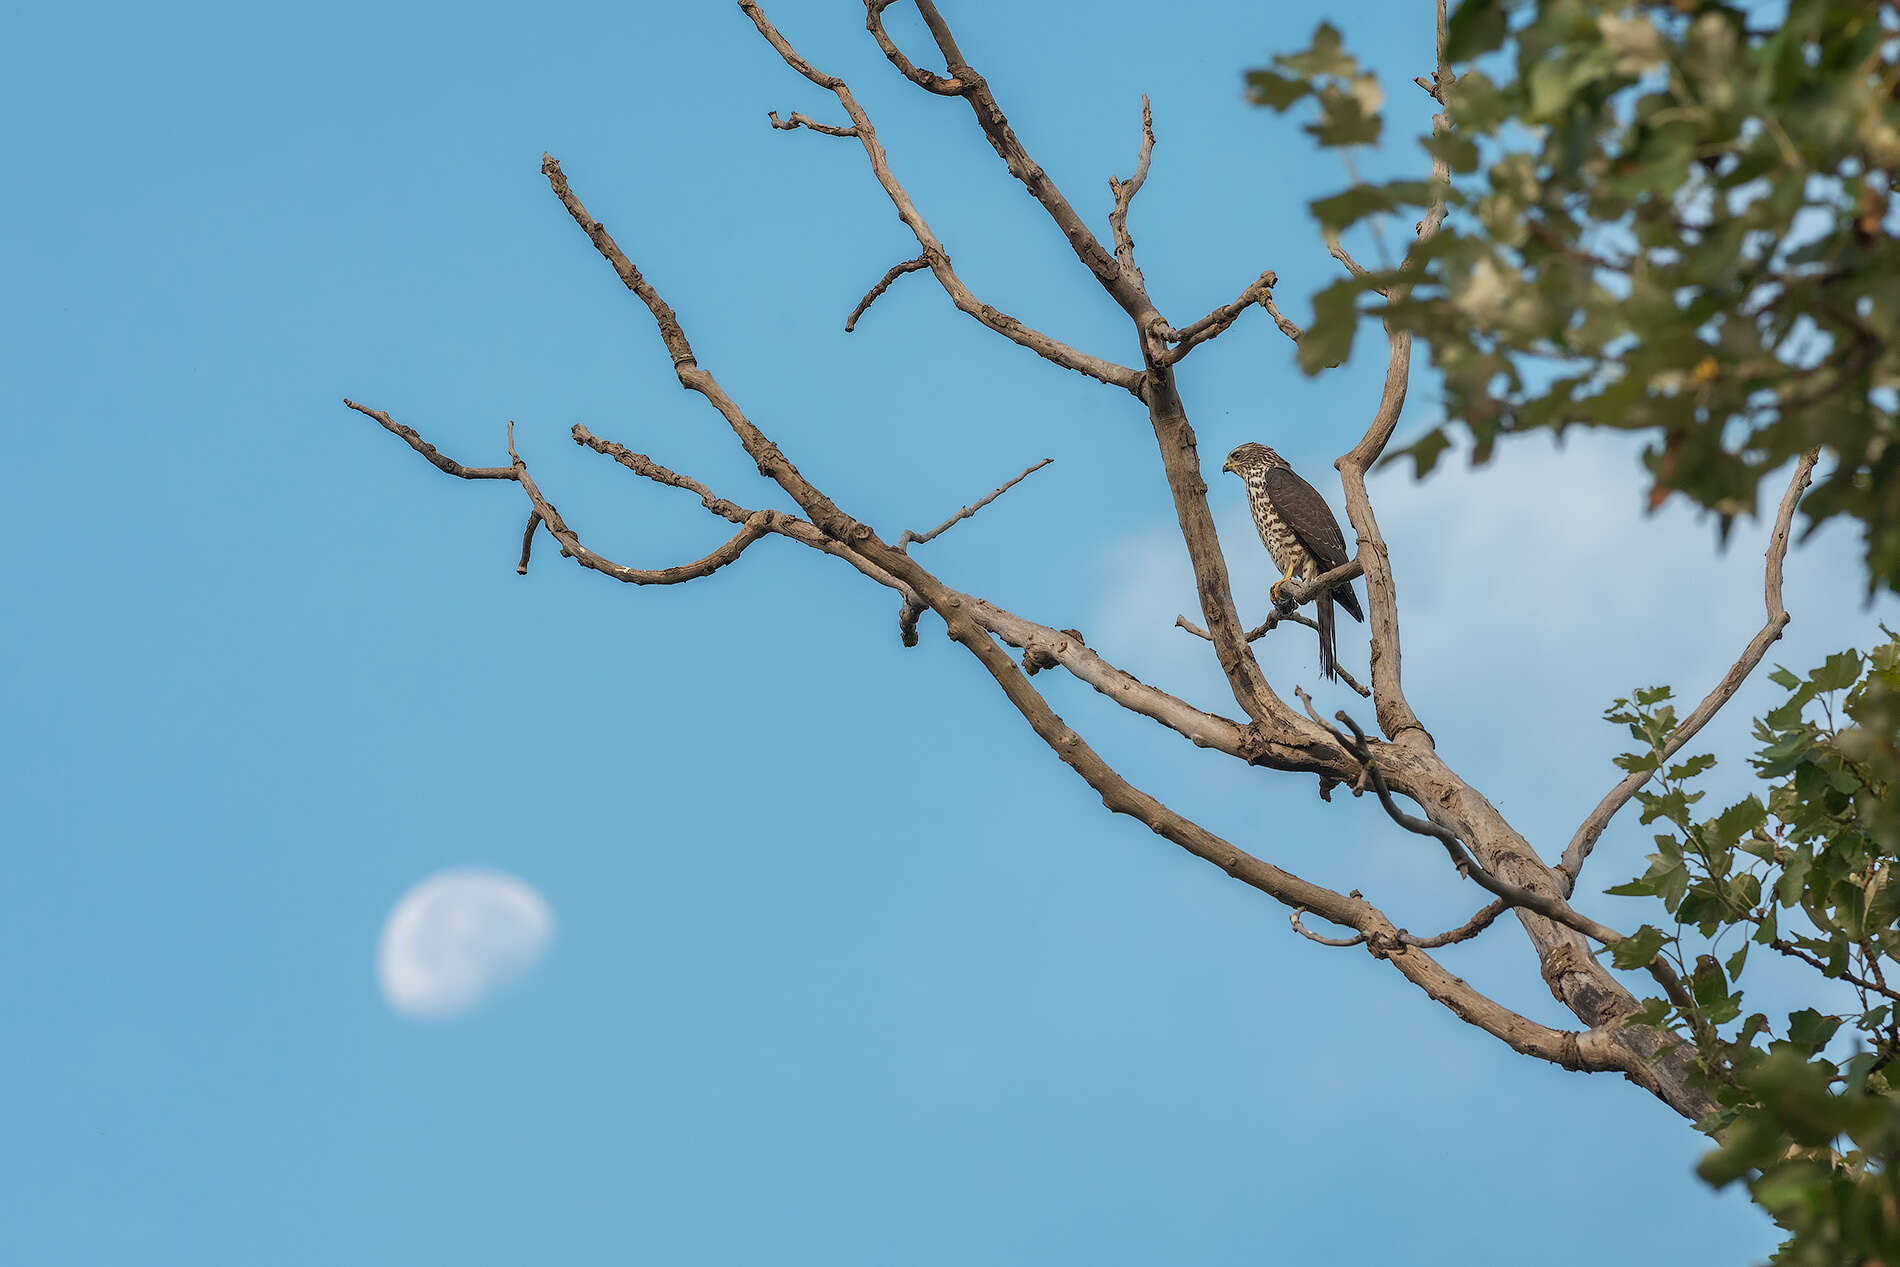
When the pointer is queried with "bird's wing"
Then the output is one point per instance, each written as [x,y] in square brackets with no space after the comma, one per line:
[1308,515]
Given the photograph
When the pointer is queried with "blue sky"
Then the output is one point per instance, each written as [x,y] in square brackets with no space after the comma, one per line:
[849,969]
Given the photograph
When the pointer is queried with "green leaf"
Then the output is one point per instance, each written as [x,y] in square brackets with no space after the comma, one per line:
[1275,91]
[1328,341]
[1809,1028]
[1689,769]
[1636,950]
[1475,28]
[1794,878]
[1841,671]
[1782,678]
[1325,56]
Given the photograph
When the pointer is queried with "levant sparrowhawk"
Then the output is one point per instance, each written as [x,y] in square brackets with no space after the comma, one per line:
[1299,531]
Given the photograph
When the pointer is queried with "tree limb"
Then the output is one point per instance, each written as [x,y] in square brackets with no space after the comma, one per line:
[755,527]
[1465,931]
[440,461]
[874,23]
[1396,718]
[1260,291]
[1273,620]
[884,284]
[800,121]
[908,536]
[939,260]
[1592,828]
[1124,192]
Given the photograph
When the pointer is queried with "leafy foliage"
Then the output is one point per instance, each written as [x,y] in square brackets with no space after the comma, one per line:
[1664,217]
[1805,873]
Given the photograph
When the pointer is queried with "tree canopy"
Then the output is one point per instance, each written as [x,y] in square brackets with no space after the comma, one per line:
[1667,217]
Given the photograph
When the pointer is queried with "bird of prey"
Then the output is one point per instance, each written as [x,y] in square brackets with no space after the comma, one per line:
[1299,531]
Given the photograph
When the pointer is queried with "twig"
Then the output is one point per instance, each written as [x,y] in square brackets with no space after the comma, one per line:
[800,121]
[1592,828]
[1274,619]
[1300,593]
[1464,932]
[1259,291]
[904,541]
[1293,917]
[907,617]
[1287,327]
[897,271]
[754,528]
[437,459]
[1795,952]
[1009,327]
[1338,252]
[527,542]
[874,23]
[1124,192]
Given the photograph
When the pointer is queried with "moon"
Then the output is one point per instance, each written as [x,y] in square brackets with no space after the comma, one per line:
[456,938]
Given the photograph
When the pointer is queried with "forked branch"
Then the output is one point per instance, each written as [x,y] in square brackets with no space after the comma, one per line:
[1592,827]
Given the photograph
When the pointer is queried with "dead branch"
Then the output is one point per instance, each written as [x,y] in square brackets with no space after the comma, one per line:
[1337,250]
[1124,193]
[1300,593]
[800,121]
[1192,336]
[1550,905]
[1286,326]
[939,259]
[1273,620]
[874,23]
[439,460]
[754,528]
[1396,718]
[527,542]
[1464,932]
[884,284]
[1592,828]
[1293,918]
[908,537]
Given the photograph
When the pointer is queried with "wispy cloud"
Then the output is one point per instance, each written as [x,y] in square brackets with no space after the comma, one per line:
[457,937]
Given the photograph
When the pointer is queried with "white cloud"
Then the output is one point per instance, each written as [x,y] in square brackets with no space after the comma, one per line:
[457,937]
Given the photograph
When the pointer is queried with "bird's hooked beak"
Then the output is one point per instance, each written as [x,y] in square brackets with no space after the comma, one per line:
[1228,466]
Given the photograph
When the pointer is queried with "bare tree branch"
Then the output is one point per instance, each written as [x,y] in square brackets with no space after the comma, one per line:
[1192,336]
[1287,327]
[1288,741]
[908,536]
[1293,918]
[800,121]
[1273,621]
[1551,906]
[884,284]
[1592,828]
[1337,250]
[754,528]
[874,23]
[1124,192]
[1396,718]
[437,459]
[1009,327]
[527,542]
[1465,931]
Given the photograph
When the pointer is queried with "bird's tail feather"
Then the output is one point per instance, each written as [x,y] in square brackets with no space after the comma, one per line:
[1328,651]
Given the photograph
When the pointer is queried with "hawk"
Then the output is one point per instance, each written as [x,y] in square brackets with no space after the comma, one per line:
[1299,531]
